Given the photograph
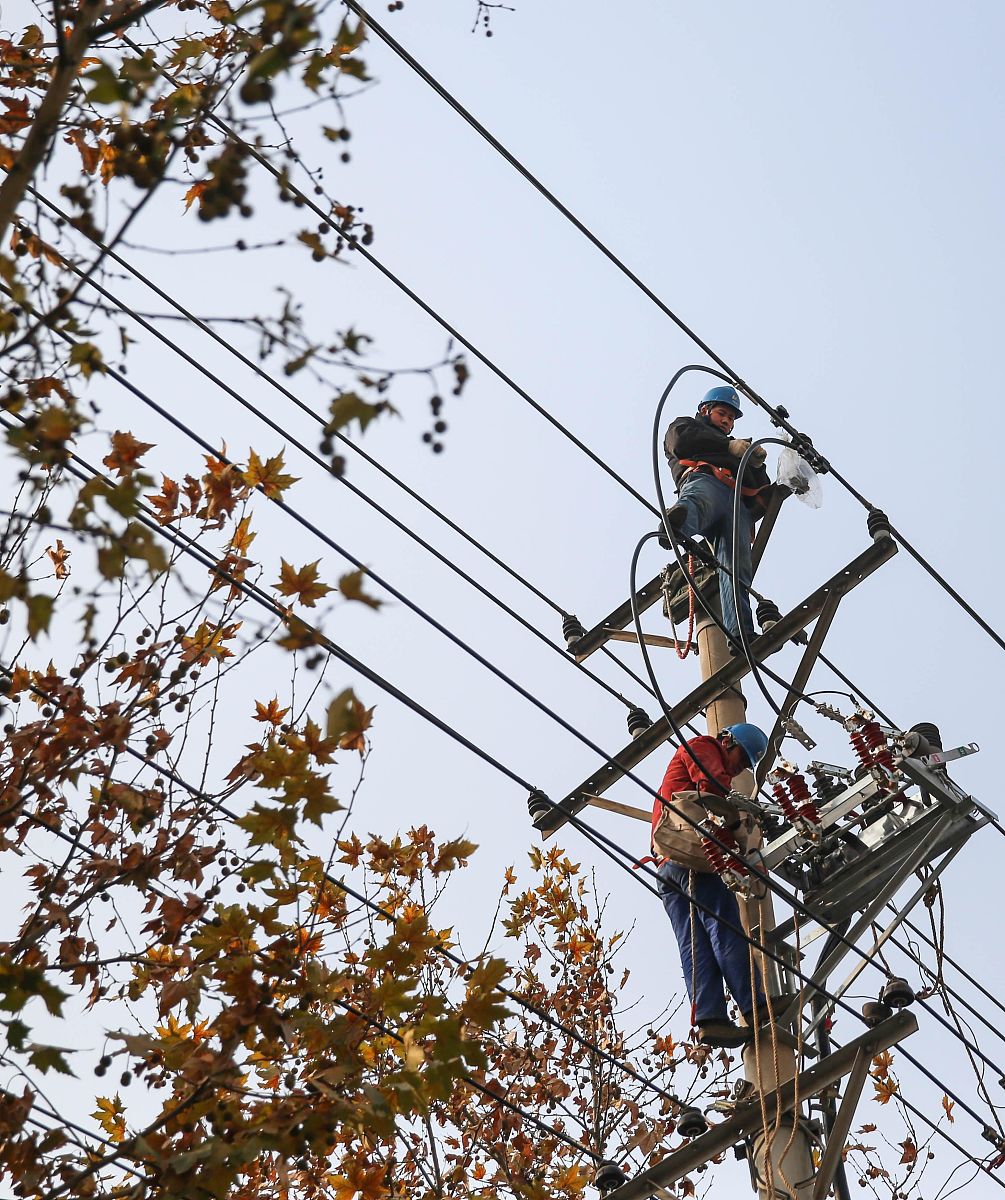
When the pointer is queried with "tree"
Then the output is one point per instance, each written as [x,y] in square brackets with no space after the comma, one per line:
[255,1028]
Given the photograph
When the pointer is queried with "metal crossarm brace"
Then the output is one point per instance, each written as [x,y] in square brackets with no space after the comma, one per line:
[651,739]
[798,684]
[646,596]
[748,1118]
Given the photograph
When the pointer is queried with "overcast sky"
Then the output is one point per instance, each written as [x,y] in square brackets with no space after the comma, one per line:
[817,190]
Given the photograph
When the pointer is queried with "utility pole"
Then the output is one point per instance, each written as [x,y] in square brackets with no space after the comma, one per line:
[766,1064]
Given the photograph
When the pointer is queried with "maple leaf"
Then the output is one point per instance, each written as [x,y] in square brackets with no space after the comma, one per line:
[16,117]
[881,1064]
[300,635]
[207,643]
[886,1089]
[868,1129]
[302,584]
[195,193]
[948,1106]
[109,1115]
[166,503]
[270,712]
[90,155]
[59,555]
[268,475]
[242,536]
[910,1151]
[348,721]
[125,454]
[351,586]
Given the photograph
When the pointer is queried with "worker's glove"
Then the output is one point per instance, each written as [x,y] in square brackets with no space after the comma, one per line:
[758,456]
[738,446]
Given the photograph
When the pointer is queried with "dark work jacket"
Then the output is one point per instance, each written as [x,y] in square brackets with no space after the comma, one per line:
[698,438]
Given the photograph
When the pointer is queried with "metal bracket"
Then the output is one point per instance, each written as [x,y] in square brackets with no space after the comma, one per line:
[748,1117]
[685,710]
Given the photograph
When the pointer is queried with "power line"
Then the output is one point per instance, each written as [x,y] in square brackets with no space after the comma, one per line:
[607,845]
[777,416]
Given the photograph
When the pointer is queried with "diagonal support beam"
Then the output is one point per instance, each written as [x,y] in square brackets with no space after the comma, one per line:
[798,684]
[747,1118]
[842,1123]
[883,549]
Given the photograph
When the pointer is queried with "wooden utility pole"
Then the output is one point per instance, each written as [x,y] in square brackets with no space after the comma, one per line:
[767,1064]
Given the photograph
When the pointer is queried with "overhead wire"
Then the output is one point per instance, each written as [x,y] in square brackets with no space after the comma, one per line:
[778,416]
[911,550]
[607,845]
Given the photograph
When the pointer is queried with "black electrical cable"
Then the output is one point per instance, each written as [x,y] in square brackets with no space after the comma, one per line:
[778,417]
[320,462]
[611,848]
[356,245]
[219,806]
[305,408]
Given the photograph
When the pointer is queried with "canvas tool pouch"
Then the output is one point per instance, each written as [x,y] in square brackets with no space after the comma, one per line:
[675,839]
[680,842]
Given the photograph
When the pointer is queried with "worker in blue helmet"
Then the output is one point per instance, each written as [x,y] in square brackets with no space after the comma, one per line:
[702,908]
[703,457]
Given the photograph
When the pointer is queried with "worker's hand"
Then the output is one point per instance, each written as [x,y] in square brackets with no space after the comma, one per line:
[738,446]
[758,455]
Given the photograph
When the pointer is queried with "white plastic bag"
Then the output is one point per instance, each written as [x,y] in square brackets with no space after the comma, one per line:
[799,477]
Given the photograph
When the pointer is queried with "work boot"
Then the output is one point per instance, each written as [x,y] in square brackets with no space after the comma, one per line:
[722,1034]
[675,518]
[780,1005]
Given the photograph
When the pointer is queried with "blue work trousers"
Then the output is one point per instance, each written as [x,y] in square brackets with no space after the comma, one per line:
[709,506]
[721,953]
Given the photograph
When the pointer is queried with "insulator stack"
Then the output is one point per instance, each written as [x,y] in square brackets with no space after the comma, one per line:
[719,859]
[876,742]
[787,804]
[801,795]
[861,747]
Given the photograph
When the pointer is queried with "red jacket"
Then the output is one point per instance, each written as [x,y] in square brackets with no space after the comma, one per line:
[684,775]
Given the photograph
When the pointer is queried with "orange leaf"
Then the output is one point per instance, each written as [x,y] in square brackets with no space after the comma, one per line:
[268,475]
[302,584]
[270,712]
[207,643]
[242,536]
[910,1150]
[886,1089]
[126,453]
[195,193]
[59,555]
[948,1105]
[17,115]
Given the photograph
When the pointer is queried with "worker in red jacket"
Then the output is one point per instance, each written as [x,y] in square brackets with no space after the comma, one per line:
[713,950]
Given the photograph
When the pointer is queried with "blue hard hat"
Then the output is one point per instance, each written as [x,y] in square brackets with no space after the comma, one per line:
[750,739]
[723,395]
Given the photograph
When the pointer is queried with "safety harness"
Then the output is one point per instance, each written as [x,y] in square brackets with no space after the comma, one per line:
[723,474]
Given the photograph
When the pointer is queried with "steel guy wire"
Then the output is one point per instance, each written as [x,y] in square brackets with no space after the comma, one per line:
[607,845]
[778,417]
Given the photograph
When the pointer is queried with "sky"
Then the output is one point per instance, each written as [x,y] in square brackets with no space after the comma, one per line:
[816,190]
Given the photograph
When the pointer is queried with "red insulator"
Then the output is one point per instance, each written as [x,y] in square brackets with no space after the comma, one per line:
[861,748]
[876,741]
[788,806]
[714,854]
[719,859]
[801,794]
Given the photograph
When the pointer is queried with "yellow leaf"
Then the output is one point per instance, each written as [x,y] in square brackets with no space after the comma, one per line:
[207,643]
[302,584]
[109,1115]
[268,475]
[351,586]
